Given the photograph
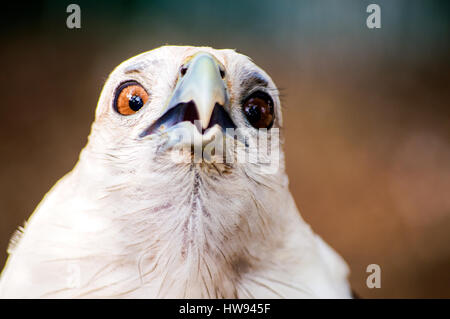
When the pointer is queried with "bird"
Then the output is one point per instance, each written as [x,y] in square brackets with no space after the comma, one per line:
[171,197]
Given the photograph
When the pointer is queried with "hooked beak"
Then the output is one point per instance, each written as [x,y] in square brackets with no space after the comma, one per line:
[199,97]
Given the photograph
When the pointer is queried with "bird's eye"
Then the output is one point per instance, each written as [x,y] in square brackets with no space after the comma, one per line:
[129,98]
[259,110]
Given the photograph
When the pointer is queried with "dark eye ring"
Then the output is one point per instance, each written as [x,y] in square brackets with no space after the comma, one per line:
[129,98]
[258,108]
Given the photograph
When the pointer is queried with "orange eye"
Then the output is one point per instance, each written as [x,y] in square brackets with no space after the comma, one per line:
[130,97]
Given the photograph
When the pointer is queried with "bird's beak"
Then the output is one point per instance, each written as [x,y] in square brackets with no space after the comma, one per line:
[203,85]
[199,96]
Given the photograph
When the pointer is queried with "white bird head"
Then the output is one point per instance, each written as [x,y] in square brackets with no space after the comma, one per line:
[186,97]
[182,98]
[180,192]
[192,128]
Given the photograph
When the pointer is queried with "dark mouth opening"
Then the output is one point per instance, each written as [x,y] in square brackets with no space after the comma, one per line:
[190,113]
[187,112]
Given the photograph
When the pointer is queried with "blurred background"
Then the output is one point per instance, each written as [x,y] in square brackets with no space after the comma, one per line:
[367,113]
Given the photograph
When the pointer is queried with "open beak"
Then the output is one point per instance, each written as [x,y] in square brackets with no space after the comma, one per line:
[199,97]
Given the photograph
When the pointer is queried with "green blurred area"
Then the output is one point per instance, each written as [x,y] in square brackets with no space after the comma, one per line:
[417,26]
[366,112]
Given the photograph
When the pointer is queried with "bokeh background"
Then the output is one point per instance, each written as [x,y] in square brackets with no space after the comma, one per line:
[367,112]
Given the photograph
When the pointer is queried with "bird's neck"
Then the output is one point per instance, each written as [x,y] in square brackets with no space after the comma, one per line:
[190,235]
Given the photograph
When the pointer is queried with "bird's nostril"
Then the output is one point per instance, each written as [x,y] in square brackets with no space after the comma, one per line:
[183,70]
[222,72]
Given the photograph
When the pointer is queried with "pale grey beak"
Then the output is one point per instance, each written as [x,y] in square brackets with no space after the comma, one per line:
[199,97]
[203,85]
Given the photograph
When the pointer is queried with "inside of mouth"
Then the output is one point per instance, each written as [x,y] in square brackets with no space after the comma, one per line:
[187,112]
[191,115]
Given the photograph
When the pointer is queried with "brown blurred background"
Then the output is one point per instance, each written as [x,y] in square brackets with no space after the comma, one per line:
[367,117]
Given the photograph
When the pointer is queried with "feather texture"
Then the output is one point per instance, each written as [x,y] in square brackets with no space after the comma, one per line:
[129,222]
